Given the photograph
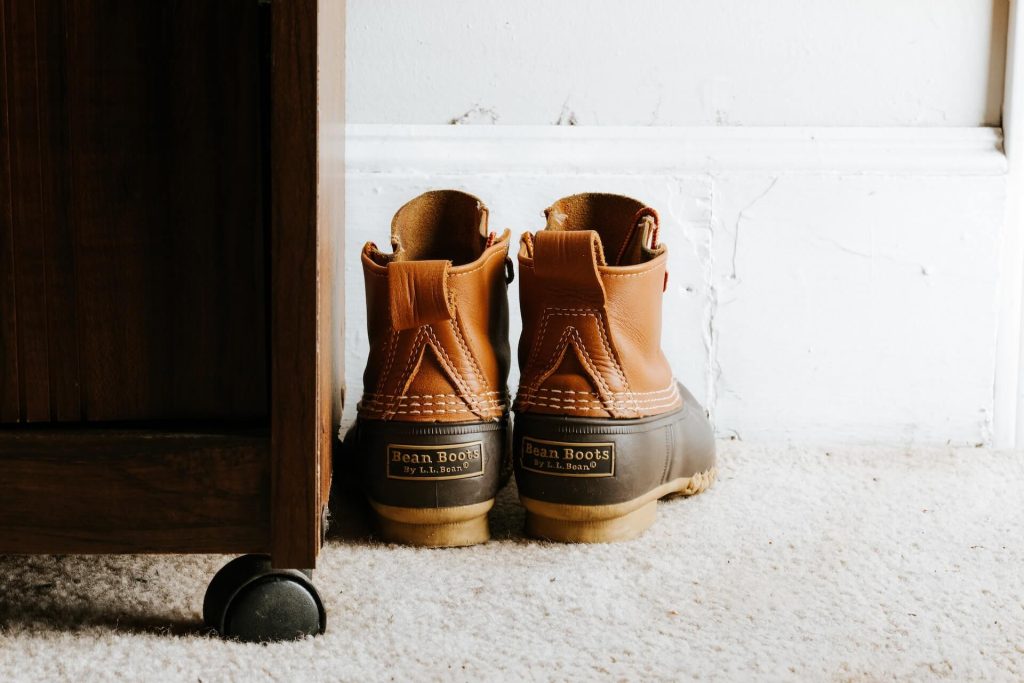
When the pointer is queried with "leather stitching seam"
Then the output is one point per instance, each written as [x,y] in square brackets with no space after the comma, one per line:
[600,321]
[591,365]
[456,375]
[490,405]
[561,346]
[598,407]
[666,390]
[389,359]
[414,357]
[481,393]
[549,312]
[456,325]
[586,401]
[574,335]
[614,357]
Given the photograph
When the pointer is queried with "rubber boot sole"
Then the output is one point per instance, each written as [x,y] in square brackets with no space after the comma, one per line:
[434,527]
[598,480]
[432,484]
[607,523]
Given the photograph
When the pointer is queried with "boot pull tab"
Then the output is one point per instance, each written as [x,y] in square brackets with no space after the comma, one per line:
[650,227]
[642,235]
[648,218]
[418,293]
[510,274]
[568,260]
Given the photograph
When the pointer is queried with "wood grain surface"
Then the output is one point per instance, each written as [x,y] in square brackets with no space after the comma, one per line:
[164,261]
[135,491]
[133,260]
[301,421]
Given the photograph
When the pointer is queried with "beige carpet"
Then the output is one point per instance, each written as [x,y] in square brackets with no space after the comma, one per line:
[850,564]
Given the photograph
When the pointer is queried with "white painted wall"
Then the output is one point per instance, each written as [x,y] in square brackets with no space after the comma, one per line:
[838,280]
[827,285]
[677,62]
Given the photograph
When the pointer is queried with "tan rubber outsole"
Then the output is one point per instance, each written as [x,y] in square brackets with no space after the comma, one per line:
[607,523]
[435,527]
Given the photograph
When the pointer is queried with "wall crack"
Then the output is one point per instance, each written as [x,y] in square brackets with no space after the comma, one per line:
[710,332]
[739,220]
[475,114]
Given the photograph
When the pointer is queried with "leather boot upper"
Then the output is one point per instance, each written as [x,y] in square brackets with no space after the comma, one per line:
[590,287]
[437,315]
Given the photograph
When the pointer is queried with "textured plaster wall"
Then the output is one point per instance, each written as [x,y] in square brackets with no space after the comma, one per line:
[810,307]
[809,301]
[677,62]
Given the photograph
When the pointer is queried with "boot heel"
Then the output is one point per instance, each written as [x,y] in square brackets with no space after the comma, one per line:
[434,527]
[587,523]
[598,480]
[432,484]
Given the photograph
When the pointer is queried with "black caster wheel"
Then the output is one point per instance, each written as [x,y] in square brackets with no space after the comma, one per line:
[248,600]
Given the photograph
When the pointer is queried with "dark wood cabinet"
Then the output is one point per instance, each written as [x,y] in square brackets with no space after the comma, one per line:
[165,275]
[135,236]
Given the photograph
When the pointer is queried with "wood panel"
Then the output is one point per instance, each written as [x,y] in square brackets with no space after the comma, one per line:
[27,43]
[302,427]
[86,491]
[58,269]
[133,232]
[10,397]
[185,276]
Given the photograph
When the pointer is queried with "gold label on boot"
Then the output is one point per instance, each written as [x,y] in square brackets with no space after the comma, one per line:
[568,459]
[436,463]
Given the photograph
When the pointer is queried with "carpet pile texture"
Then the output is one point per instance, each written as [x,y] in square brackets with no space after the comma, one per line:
[845,564]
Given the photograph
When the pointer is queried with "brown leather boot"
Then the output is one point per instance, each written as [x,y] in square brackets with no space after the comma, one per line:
[432,430]
[602,430]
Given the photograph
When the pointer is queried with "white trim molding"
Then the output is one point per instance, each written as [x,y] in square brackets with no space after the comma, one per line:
[611,149]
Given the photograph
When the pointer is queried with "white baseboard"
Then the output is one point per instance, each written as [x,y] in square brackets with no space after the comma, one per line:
[827,285]
[646,150]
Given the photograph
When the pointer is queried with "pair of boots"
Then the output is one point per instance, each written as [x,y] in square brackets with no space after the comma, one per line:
[602,430]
